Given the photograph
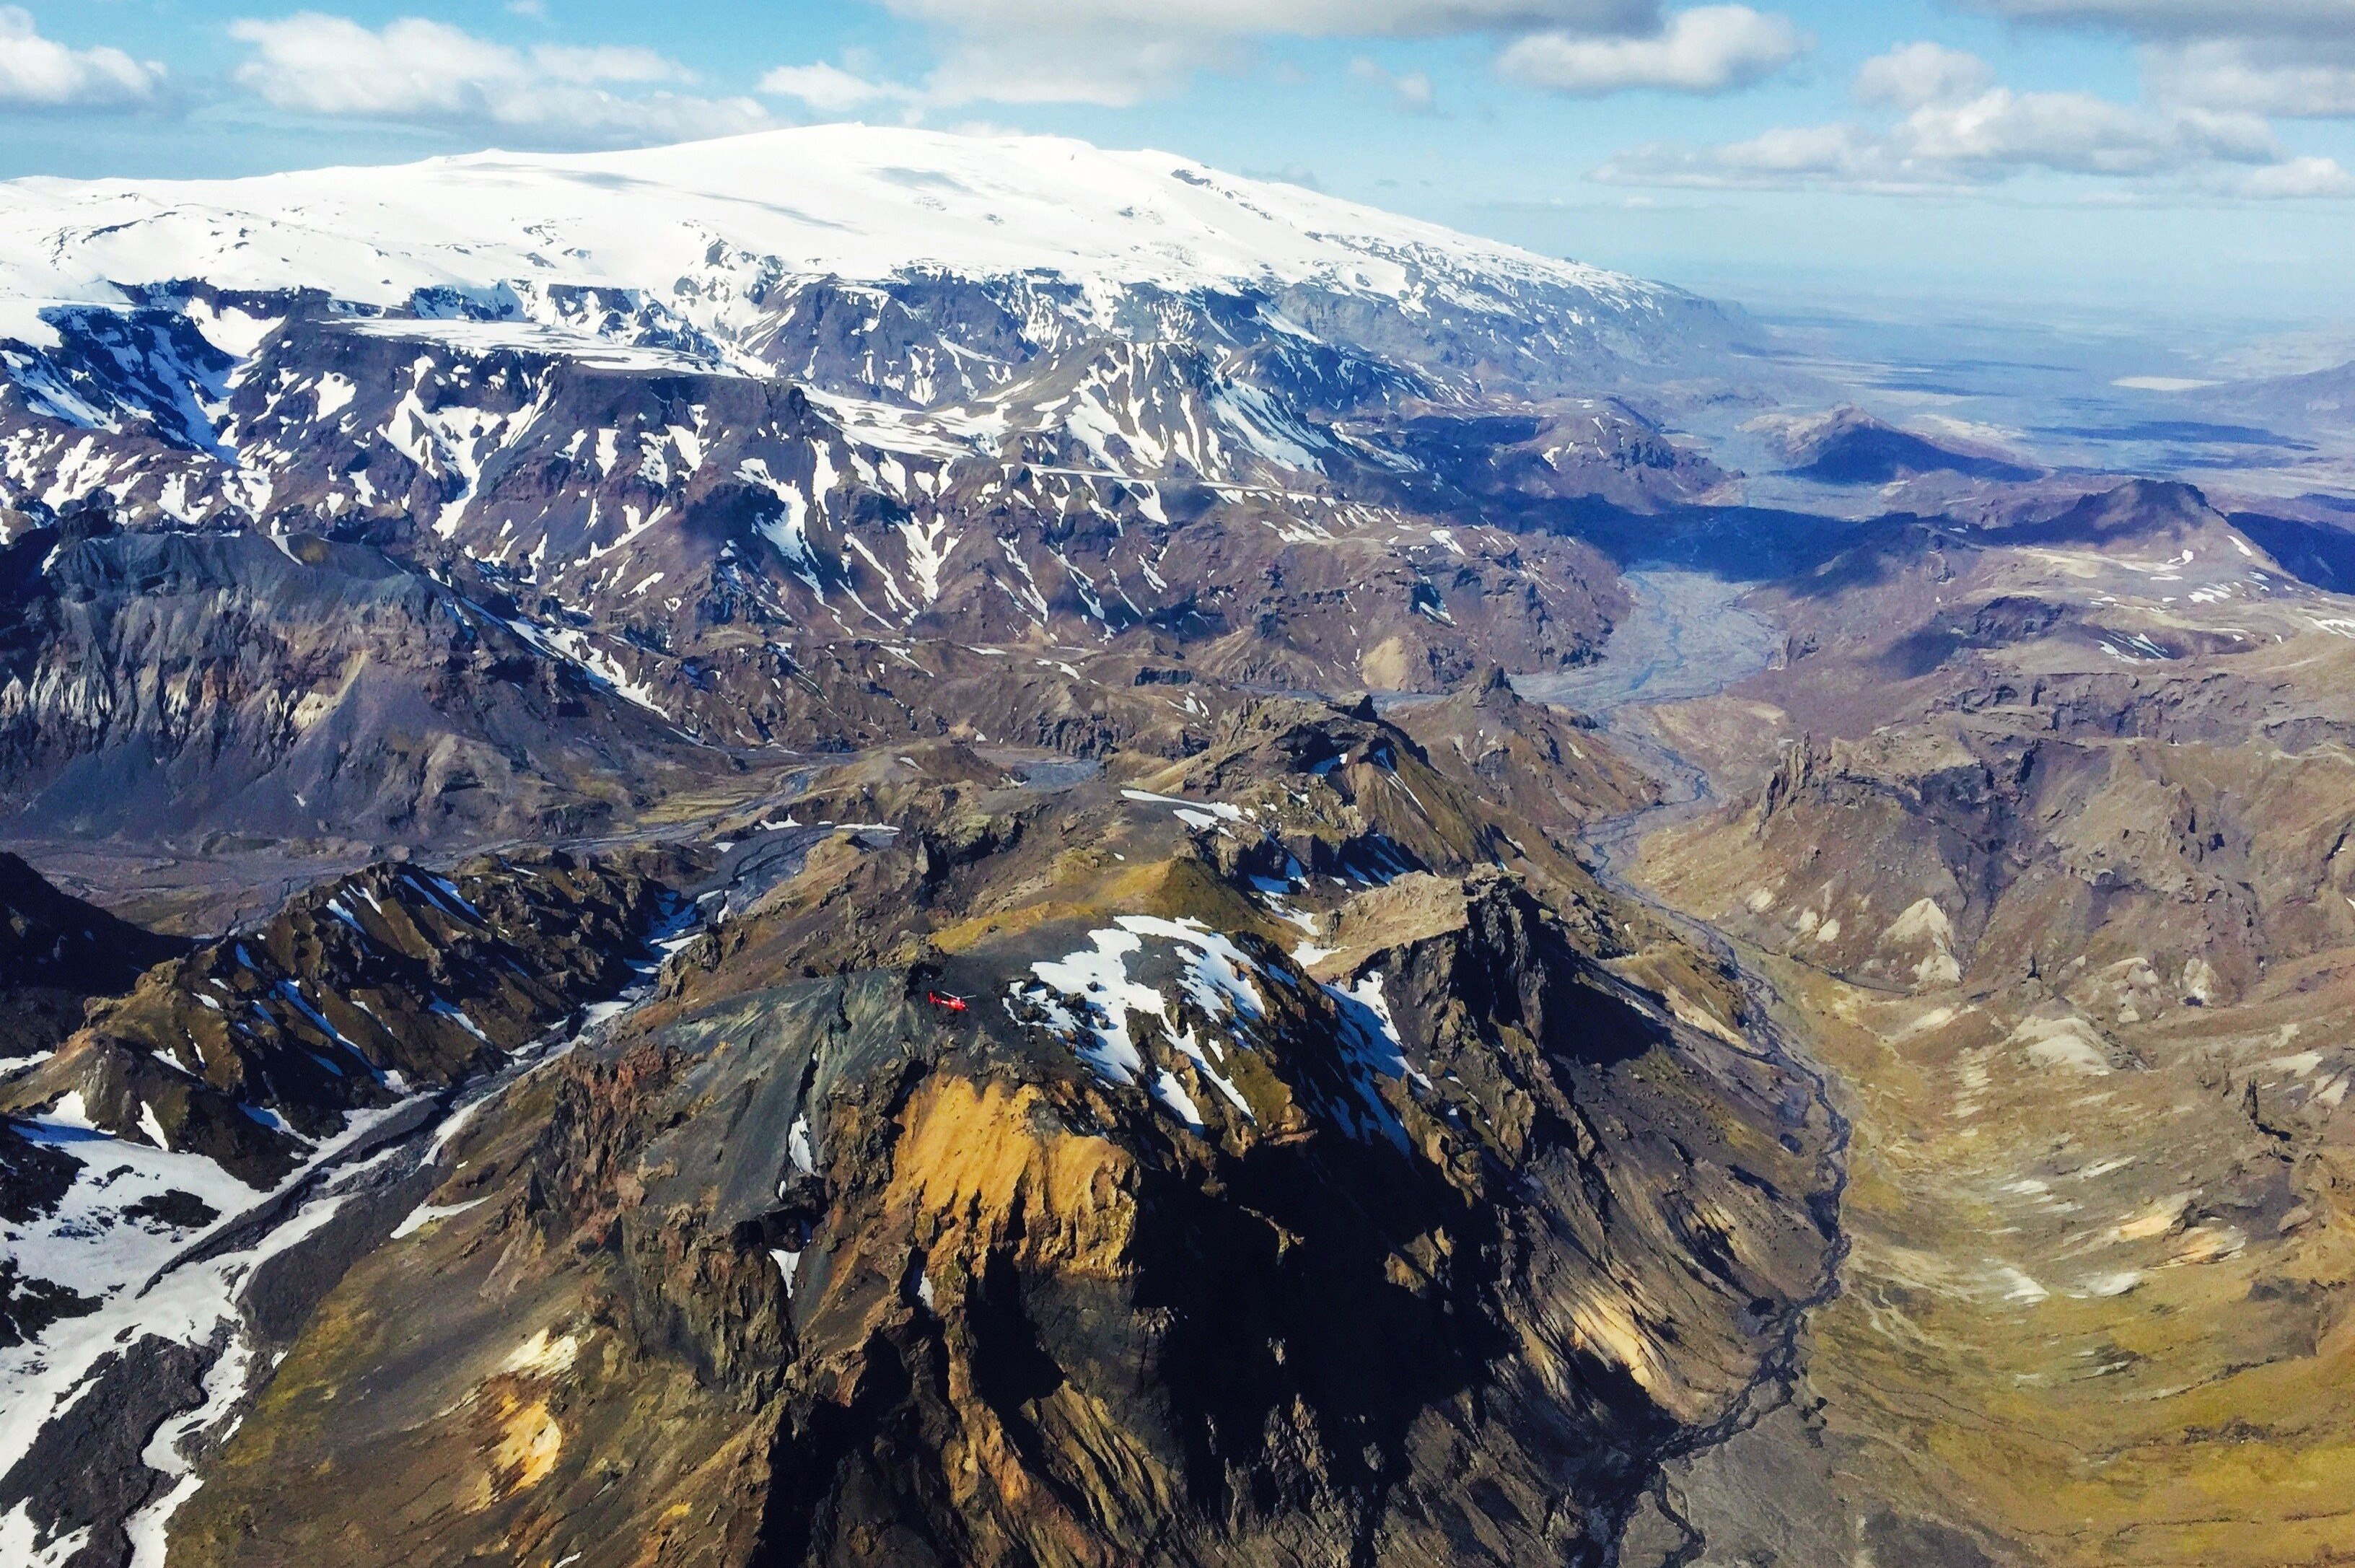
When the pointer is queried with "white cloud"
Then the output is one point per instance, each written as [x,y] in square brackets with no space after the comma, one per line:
[2000,132]
[1104,67]
[1412,92]
[1710,49]
[2304,79]
[39,73]
[1914,74]
[2297,179]
[1956,132]
[1122,52]
[606,62]
[2284,58]
[418,69]
[830,89]
[1294,18]
[2188,18]
[1778,159]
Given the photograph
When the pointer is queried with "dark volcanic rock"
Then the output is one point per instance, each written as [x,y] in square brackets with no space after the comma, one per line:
[1849,446]
[33,1177]
[55,954]
[84,1472]
[357,993]
[28,1305]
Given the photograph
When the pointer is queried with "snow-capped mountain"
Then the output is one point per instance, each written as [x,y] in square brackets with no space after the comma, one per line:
[678,418]
[716,239]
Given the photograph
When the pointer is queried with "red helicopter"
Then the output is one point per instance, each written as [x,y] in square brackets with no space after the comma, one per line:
[946,1002]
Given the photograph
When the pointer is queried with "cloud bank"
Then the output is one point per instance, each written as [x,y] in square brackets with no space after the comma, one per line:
[427,72]
[1119,53]
[1957,131]
[1710,49]
[40,74]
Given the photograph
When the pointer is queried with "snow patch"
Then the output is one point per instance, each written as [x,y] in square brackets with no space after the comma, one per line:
[426,1214]
[1214,808]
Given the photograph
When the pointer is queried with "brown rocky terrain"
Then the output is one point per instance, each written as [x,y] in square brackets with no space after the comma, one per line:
[1179,915]
[2051,862]
[1180,1240]
[189,1122]
[1266,1136]
[176,686]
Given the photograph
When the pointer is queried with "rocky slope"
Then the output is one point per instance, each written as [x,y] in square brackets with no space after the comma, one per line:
[178,684]
[1849,446]
[354,996]
[176,1139]
[1030,1192]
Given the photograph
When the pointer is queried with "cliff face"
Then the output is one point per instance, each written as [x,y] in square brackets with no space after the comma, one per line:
[173,686]
[1077,1214]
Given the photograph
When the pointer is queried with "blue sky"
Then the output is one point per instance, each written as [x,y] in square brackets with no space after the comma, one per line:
[2174,159]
